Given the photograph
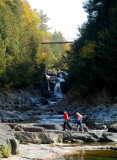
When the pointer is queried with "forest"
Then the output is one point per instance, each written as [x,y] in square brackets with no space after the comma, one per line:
[92,60]
[23,59]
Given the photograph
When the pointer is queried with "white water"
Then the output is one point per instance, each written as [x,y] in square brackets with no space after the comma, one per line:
[49,87]
[57,87]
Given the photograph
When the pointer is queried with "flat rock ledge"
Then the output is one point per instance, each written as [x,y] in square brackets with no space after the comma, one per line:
[47,144]
[31,133]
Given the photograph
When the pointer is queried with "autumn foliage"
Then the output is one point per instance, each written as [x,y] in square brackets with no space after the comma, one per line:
[23,58]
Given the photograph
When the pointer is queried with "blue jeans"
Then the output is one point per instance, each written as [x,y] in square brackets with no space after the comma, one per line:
[79,123]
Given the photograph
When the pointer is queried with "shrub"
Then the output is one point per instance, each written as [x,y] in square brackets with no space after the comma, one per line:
[5,152]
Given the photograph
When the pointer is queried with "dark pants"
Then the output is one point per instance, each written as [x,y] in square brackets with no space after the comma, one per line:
[67,124]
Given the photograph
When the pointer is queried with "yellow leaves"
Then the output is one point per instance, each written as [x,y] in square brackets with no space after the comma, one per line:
[88,50]
[28,12]
[36,18]
[1,3]
[31,15]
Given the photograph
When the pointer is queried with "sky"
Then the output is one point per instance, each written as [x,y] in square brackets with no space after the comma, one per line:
[65,15]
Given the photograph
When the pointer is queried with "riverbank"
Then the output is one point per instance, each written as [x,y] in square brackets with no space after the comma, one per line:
[41,143]
[49,152]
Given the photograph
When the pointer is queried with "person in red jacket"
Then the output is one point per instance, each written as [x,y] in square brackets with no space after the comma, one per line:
[66,117]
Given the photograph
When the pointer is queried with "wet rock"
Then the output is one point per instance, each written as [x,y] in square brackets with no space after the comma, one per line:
[113,128]
[43,101]
[64,88]
[51,73]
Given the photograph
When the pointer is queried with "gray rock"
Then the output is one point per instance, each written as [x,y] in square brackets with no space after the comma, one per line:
[52,126]
[14,146]
[103,127]
[90,136]
[7,138]
[74,127]
[113,128]
[38,137]
[33,129]
[109,137]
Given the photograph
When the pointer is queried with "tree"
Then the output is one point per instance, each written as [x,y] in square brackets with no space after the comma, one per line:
[92,59]
[20,38]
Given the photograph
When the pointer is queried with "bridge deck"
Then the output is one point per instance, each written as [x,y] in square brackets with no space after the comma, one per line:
[57,42]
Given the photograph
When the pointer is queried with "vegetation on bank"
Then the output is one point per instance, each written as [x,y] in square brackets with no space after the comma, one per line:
[92,60]
[23,58]
[5,152]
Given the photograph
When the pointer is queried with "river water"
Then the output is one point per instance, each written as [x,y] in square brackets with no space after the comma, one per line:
[91,155]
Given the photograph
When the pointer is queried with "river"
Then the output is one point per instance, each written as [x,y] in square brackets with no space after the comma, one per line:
[91,155]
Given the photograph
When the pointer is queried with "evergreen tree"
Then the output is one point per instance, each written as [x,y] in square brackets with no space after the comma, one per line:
[92,59]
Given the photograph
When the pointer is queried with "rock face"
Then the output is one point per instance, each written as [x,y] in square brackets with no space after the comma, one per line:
[7,138]
[113,128]
[20,99]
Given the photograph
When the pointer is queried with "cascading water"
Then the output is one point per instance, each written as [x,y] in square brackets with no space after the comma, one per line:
[55,81]
[57,87]
[49,87]
[47,76]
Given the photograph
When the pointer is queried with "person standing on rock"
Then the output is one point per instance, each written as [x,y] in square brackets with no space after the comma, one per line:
[79,118]
[66,122]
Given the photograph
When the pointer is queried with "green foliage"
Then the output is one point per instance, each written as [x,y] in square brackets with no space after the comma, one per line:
[5,152]
[22,57]
[20,38]
[93,57]
[59,139]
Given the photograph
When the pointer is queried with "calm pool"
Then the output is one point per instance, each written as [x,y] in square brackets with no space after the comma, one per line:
[91,155]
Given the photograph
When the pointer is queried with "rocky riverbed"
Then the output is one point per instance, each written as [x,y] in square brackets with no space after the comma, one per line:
[33,121]
[49,141]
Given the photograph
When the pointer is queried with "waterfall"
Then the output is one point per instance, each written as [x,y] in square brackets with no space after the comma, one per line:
[55,80]
[57,87]
[49,87]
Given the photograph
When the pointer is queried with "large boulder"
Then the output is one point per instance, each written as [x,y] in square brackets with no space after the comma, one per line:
[109,137]
[7,138]
[38,137]
[113,128]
